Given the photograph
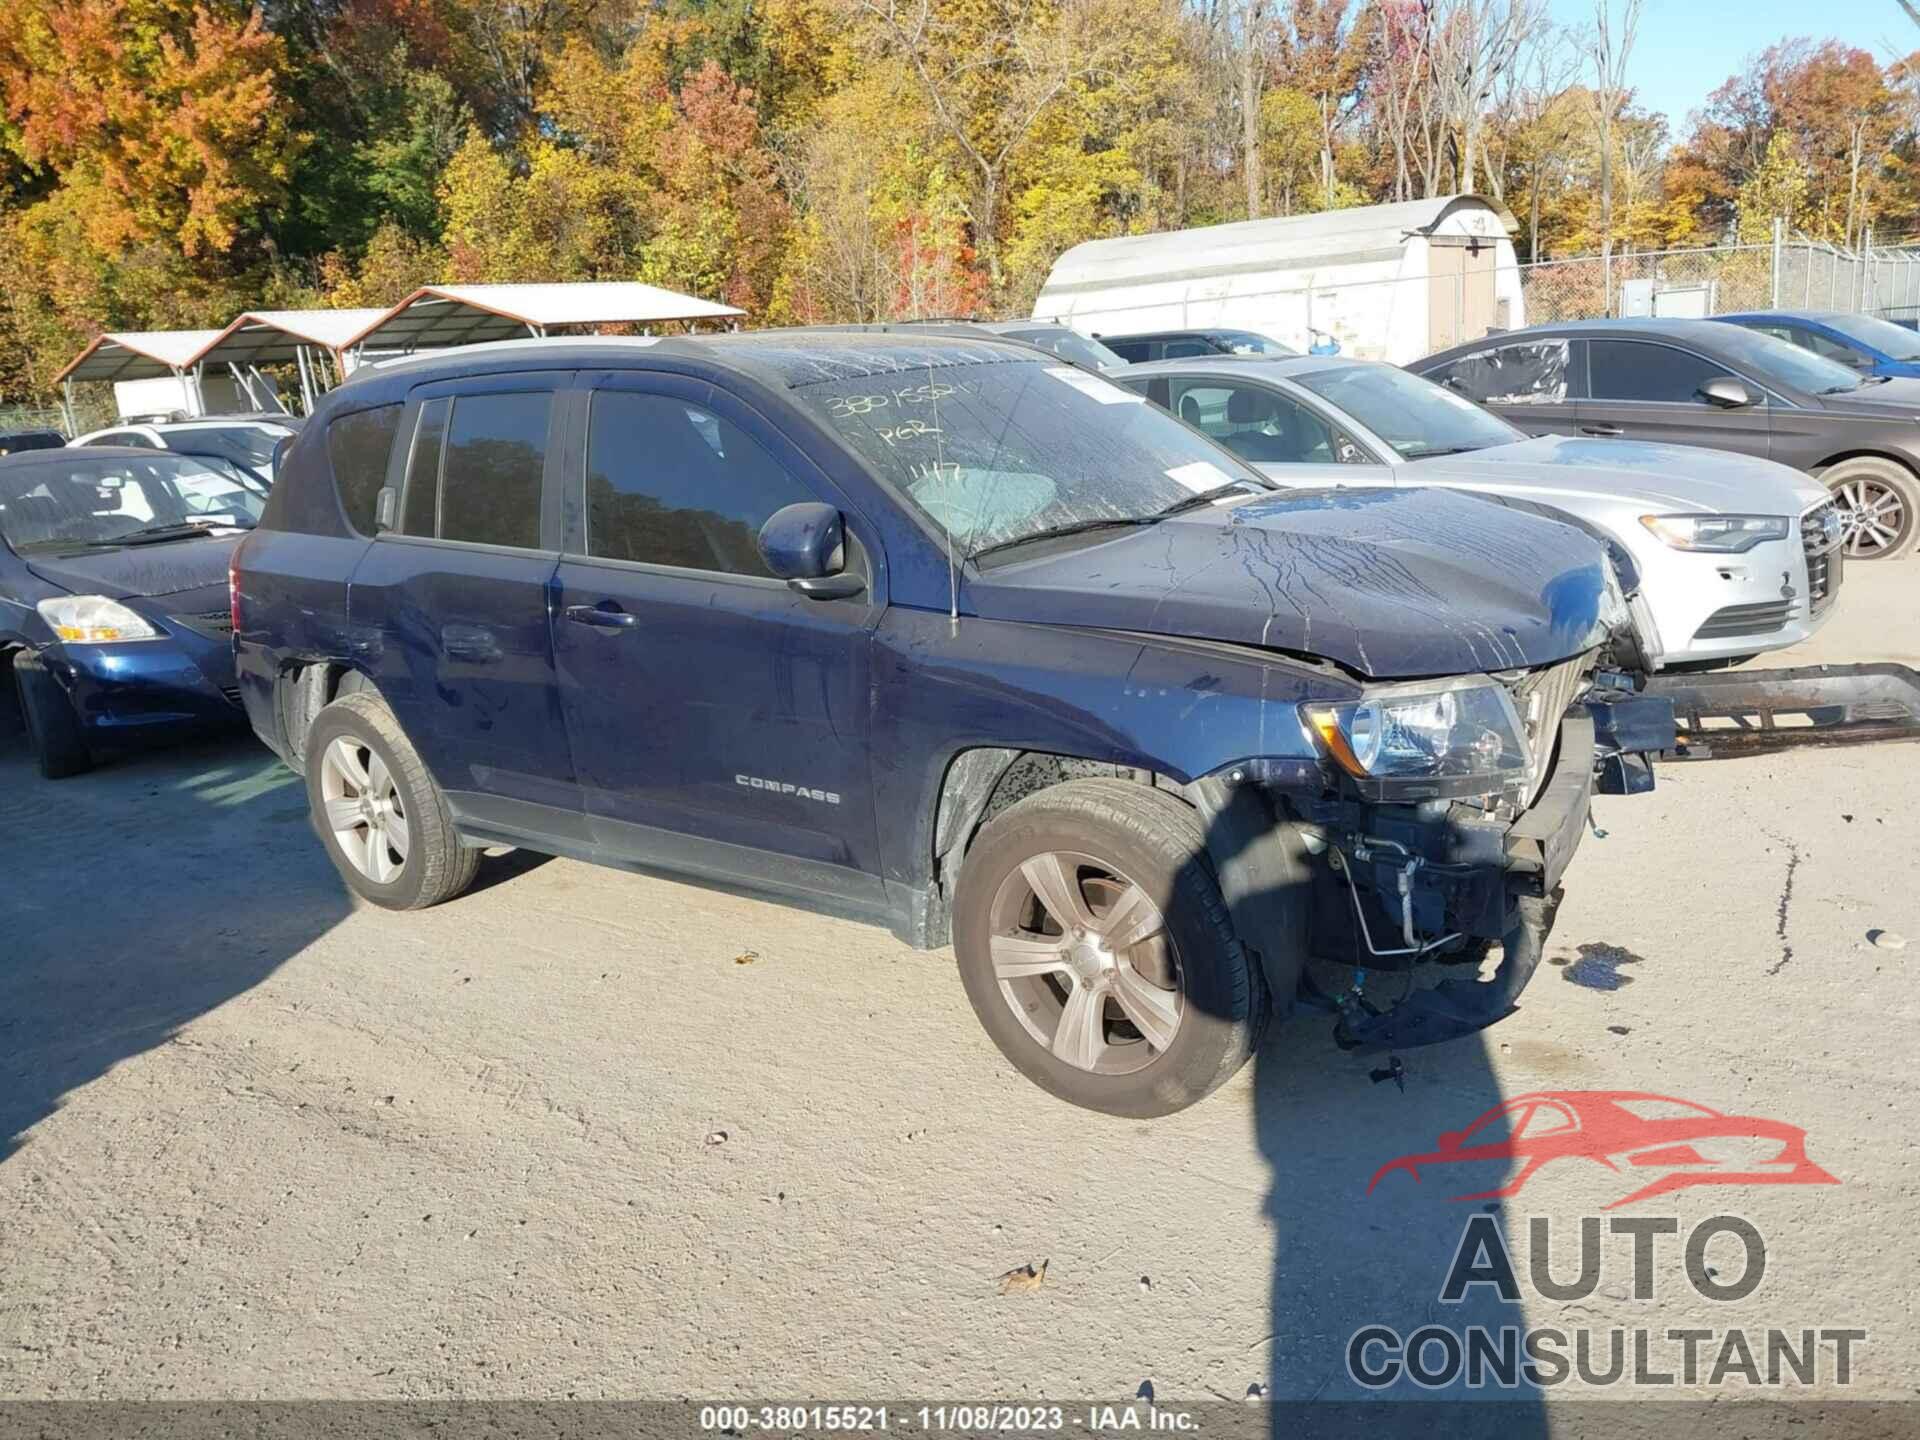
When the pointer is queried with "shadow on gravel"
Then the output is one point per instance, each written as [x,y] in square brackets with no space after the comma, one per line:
[1348,1259]
[138,897]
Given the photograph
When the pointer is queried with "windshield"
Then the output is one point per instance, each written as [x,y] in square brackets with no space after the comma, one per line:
[993,453]
[1070,345]
[1245,342]
[1770,358]
[1891,340]
[1415,416]
[96,501]
[248,445]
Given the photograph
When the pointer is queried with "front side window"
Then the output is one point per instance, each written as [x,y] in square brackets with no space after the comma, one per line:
[1259,425]
[1416,417]
[127,500]
[1534,373]
[1633,370]
[993,453]
[669,483]
[1896,342]
[496,453]
[1776,362]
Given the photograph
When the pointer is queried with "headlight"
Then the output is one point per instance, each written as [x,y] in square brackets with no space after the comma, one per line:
[93,620]
[1722,534]
[1428,740]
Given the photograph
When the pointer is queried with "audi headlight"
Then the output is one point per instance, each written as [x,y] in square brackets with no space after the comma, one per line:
[1721,534]
[1430,740]
[93,620]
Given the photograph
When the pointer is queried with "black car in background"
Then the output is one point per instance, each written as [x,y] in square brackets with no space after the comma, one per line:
[1699,382]
[1190,344]
[12,442]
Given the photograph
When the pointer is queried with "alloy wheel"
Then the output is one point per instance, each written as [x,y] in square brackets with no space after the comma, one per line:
[1081,954]
[364,810]
[1875,514]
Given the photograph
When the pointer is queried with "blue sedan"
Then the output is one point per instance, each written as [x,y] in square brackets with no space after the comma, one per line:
[1861,342]
[114,617]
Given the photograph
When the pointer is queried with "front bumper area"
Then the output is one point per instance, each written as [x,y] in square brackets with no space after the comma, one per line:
[1449,883]
[147,688]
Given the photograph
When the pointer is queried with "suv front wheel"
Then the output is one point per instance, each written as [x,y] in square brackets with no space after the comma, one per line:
[1097,950]
[384,822]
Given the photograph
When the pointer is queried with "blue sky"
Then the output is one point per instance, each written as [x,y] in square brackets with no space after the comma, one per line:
[1686,48]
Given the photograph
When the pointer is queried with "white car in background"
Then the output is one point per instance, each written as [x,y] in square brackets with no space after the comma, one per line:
[1731,555]
[249,442]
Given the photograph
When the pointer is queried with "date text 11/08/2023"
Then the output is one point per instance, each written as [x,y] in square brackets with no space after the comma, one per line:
[938,1419]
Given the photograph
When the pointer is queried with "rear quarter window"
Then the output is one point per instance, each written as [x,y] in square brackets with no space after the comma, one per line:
[357,448]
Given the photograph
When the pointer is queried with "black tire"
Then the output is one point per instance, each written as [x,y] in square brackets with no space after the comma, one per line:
[436,866]
[1157,842]
[58,743]
[1884,482]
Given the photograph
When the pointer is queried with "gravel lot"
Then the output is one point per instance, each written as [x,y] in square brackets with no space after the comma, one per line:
[588,1134]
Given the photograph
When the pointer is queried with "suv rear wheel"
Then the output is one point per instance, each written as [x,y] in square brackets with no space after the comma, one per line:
[384,822]
[1098,953]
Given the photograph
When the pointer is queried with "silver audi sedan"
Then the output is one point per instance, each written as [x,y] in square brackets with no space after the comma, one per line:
[1730,555]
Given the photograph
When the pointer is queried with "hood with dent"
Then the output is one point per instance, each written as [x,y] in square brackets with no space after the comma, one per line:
[1389,583]
[1676,478]
[135,571]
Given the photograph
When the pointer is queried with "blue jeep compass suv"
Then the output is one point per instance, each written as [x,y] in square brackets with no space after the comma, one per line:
[944,634]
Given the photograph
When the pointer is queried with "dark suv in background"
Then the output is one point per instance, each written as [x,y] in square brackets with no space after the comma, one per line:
[1701,382]
[946,635]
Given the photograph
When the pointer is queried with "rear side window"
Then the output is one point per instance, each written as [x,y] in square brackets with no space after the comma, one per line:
[422,514]
[490,462]
[357,447]
[1633,370]
[669,483]
[1530,374]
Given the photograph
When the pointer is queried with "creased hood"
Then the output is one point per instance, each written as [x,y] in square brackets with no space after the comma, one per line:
[140,570]
[1675,478]
[1389,583]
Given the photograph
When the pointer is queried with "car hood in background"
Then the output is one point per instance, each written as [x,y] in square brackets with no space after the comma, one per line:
[169,568]
[1679,478]
[1875,400]
[1389,583]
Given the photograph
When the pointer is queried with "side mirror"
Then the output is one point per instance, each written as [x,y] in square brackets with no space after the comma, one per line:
[1726,392]
[806,546]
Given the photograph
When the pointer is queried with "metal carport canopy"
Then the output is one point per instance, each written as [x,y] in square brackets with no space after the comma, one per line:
[276,337]
[441,315]
[138,355]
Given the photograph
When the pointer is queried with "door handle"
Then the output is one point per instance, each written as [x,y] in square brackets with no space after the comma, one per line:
[1602,430]
[604,618]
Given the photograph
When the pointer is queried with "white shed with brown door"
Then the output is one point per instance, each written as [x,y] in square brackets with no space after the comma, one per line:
[1386,282]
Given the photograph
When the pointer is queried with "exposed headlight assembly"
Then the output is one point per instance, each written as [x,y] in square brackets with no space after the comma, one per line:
[1720,534]
[93,620]
[1430,740]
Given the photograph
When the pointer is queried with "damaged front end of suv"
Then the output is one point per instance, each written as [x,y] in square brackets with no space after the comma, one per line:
[1429,825]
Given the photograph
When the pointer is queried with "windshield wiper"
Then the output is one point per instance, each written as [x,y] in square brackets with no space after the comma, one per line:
[180,530]
[1053,532]
[1205,497]
[1446,450]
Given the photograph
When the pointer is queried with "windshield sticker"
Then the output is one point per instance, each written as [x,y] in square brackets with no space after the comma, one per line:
[1105,391]
[1200,477]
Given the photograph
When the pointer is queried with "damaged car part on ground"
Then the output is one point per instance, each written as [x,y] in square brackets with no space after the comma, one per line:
[944,635]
